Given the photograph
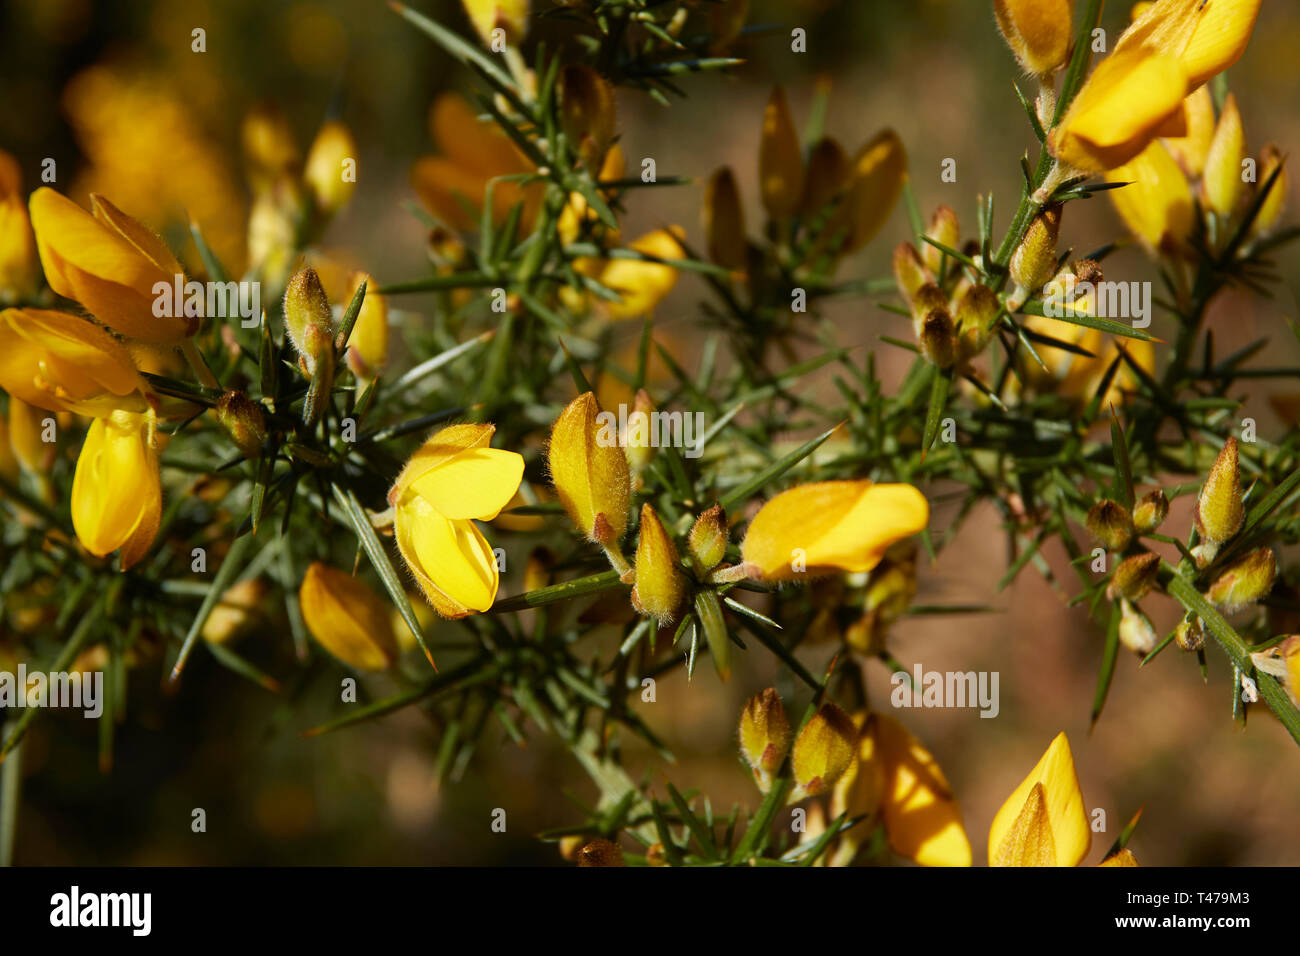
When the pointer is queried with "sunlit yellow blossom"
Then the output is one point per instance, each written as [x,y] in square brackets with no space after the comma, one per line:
[19,264]
[823,751]
[921,815]
[453,480]
[510,16]
[116,490]
[348,619]
[1206,37]
[368,345]
[590,471]
[643,284]
[110,264]
[1157,202]
[331,168]
[1038,32]
[61,362]
[659,585]
[453,184]
[1043,822]
[831,525]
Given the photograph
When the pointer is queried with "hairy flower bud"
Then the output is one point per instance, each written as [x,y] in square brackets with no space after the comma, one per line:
[348,619]
[976,314]
[780,159]
[910,272]
[1110,525]
[1190,633]
[823,751]
[590,471]
[1135,630]
[708,539]
[764,736]
[1034,261]
[938,338]
[1222,189]
[944,229]
[244,422]
[310,324]
[1150,511]
[600,852]
[1245,581]
[1134,577]
[659,585]
[638,442]
[1219,509]
[926,299]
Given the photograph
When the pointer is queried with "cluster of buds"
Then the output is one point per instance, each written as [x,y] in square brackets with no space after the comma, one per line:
[1220,514]
[822,752]
[953,314]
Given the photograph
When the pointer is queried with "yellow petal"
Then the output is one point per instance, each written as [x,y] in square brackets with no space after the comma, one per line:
[476,483]
[1222,189]
[1124,857]
[589,469]
[820,527]
[1052,791]
[348,619]
[659,586]
[921,816]
[1271,209]
[641,284]
[116,489]
[510,16]
[823,751]
[451,560]
[439,448]
[876,178]
[148,244]
[330,171]
[780,159]
[1220,38]
[1190,150]
[1038,32]
[1156,204]
[368,344]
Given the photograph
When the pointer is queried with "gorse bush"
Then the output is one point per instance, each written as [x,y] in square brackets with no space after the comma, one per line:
[457,518]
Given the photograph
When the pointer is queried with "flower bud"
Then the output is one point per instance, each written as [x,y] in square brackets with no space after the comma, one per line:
[1038,32]
[1271,209]
[708,539]
[724,220]
[638,441]
[1245,581]
[1150,511]
[331,169]
[726,20]
[1110,525]
[825,748]
[368,344]
[310,324]
[1222,189]
[780,159]
[938,338]
[828,169]
[1034,261]
[20,267]
[976,313]
[590,471]
[1283,663]
[1219,509]
[347,618]
[926,299]
[268,146]
[1134,577]
[600,852]
[587,111]
[1135,630]
[764,736]
[243,421]
[877,174]
[944,228]
[659,586]
[237,611]
[1190,633]
[26,423]
[909,271]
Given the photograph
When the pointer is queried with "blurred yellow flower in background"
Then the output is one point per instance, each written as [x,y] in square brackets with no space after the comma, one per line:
[347,618]
[19,265]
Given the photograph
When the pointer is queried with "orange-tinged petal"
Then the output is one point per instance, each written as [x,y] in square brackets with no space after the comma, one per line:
[921,816]
[831,525]
[347,618]
[1016,833]
[149,244]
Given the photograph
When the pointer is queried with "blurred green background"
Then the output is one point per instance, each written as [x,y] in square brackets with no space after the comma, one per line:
[114,94]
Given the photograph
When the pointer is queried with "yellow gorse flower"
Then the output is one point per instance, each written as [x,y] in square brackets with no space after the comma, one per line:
[63,363]
[641,283]
[831,525]
[1038,32]
[659,586]
[590,471]
[19,263]
[1043,822]
[1138,92]
[453,184]
[110,264]
[488,15]
[347,618]
[453,480]
[326,173]
[1156,205]
[822,751]
[368,345]
[116,489]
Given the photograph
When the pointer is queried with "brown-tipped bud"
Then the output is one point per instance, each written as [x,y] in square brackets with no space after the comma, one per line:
[1087,270]
[1219,509]
[925,300]
[1150,511]
[823,751]
[660,586]
[600,852]
[1034,261]
[944,229]
[1245,581]
[587,111]
[307,316]
[1110,525]
[1134,577]
[638,438]
[828,170]
[724,220]
[1270,209]
[976,313]
[244,422]
[1135,630]
[708,539]
[938,338]
[910,272]
[1190,633]
[764,736]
